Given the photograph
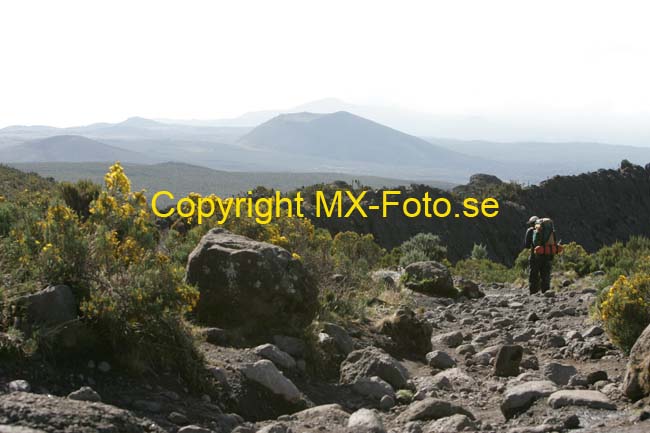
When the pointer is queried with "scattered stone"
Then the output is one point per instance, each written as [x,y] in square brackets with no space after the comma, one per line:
[587,398]
[85,393]
[342,339]
[449,339]
[147,406]
[291,345]
[194,429]
[555,340]
[266,374]
[559,373]
[365,421]
[177,418]
[275,355]
[485,356]
[456,378]
[19,386]
[594,331]
[373,387]
[507,360]
[387,402]
[371,361]
[532,317]
[574,335]
[572,422]
[454,423]
[519,398]
[530,363]
[466,349]
[596,376]
[431,409]
[440,360]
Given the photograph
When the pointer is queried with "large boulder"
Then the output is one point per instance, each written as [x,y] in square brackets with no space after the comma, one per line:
[254,286]
[431,278]
[637,375]
[371,361]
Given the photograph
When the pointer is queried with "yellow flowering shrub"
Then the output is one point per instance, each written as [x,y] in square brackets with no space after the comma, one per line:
[624,309]
[107,250]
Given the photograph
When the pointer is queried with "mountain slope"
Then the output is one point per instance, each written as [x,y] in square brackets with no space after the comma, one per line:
[347,137]
[69,148]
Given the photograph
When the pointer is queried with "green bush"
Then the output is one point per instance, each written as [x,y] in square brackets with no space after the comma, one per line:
[479,252]
[422,247]
[575,258]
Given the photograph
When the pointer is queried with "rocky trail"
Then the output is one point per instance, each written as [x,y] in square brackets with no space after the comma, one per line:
[506,362]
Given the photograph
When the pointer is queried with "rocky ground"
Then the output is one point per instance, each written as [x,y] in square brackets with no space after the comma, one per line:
[506,362]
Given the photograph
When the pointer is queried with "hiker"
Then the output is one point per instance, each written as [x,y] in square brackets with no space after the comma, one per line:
[540,239]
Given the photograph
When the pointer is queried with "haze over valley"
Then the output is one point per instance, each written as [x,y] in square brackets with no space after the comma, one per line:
[302,145]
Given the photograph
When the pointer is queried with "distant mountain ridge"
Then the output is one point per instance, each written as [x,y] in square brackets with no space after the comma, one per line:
[69,148]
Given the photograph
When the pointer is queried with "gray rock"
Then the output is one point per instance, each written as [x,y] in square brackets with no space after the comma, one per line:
[574,335]
[387,402]
[342,339]
[456,379]
[449,339]
[18,429]
[104,367]
[594,331]
[266,374]
[61,415]
[596,376]
[216,336]
[469,289]
[366,421]
[371,361]
[292,345]
[519,398]
[636,384]
[439,359]
[19,386]
[276,356]
[85,393]
[276,428]
[177,418]
[431,278]
[559,373]
[431,409]
[194,429]
[50,307]
[485,355]
[373,387]
[466,349]
[507,360]
[574,397]
[254,286]
[454,423]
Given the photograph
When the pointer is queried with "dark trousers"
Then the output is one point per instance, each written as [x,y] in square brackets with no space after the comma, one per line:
[539,272]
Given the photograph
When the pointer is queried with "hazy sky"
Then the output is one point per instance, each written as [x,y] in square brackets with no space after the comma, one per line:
[75,62]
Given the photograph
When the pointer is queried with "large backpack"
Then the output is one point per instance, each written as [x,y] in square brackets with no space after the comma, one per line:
[544,237]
